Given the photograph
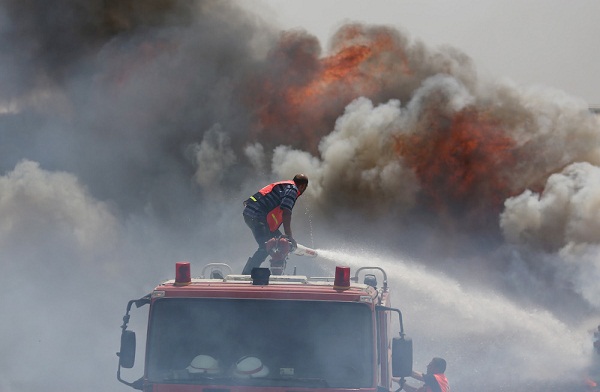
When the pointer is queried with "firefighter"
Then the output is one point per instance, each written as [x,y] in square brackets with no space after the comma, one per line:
[435,380]
[267,210]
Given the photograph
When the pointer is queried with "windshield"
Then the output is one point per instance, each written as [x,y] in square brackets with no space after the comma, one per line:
[290,343]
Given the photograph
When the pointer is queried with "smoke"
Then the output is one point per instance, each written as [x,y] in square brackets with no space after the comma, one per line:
[563,219]
[57,246]
[130,133]
[213,157]
[32,196]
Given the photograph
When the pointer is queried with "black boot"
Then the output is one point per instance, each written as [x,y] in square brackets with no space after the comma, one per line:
[248,267]
[255,261]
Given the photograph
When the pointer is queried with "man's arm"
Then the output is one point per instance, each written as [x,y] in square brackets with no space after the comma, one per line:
[408,388]
[417,376]
[287,222]
[287,204]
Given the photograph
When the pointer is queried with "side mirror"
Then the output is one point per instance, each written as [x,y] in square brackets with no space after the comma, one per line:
[127,352]
[402,357]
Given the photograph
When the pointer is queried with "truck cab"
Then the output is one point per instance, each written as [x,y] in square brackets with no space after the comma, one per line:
[262,332]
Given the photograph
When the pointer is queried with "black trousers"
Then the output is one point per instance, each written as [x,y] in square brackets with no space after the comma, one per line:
[262,234]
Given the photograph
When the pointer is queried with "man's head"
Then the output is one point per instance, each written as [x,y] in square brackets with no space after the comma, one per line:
[436,366]
[301,182]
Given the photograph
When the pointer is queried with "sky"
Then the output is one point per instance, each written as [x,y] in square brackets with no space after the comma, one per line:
[532,42]
[439,144]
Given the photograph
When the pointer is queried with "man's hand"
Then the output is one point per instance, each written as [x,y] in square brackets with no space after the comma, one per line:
[293,243]
[417,375]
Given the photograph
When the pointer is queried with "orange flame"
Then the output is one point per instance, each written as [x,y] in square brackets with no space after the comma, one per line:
[308,95]
[463,165]
[342,69]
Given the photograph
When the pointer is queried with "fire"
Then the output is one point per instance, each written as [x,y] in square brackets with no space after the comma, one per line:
[462,162]
[300,102]
[338,71]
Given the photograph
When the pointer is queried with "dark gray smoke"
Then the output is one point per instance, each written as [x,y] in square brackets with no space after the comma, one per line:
[116,92]
[130,133]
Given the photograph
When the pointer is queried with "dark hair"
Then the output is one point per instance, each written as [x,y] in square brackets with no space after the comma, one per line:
[300,179]
[440,364]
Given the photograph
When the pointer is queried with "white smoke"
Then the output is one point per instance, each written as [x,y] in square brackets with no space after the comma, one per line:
[256,156]
[440,92]
[357,155]
[580,265]
[214,157]
[565,217]
[57,207]
[359,152]
[57,245]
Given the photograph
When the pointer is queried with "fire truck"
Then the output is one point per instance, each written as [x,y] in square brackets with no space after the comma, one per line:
[223,332]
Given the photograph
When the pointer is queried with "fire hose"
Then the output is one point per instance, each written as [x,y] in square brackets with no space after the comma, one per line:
[280,247]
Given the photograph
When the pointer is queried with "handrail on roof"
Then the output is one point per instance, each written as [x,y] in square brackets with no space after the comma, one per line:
[355,278]
[216,267]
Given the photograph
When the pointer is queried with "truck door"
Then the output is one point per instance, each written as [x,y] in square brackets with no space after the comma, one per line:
[384,349]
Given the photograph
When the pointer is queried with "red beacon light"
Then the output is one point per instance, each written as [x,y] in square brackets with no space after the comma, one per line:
[182,273]
[342,278]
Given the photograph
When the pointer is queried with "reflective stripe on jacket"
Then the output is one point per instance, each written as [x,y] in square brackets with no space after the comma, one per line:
[443,382]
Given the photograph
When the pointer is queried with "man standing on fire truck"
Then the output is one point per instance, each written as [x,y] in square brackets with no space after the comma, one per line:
[266,210]
[435,380]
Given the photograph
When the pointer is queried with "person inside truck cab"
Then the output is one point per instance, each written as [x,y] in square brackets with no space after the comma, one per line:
[434,379]
[267,210]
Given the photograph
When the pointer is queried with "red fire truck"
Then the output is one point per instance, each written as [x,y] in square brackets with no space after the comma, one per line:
[223,332]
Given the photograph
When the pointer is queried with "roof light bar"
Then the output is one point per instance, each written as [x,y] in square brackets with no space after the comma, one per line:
[182,273]
[342,278]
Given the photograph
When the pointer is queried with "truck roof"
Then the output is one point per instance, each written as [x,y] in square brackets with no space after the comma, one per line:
[293,287]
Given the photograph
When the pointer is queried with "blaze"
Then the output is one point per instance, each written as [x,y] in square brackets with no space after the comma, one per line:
[462,162]
[303,95]
[339,71]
